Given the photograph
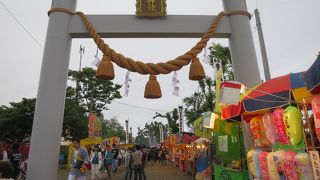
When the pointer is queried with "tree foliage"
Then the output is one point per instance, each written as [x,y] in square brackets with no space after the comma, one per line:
[16,119]
[93,93]
[172,119]
[112,127]
[75,121]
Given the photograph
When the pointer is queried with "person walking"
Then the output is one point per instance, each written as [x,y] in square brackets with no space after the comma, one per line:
[15,158]
[79,157]
[3,153]
[137,163]
[128,163]
[144,159]
[115,152]
[95,160]
[108,160]
[120,157]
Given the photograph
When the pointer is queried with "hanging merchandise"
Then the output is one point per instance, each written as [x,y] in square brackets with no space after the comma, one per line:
[264,165]
[268,125]
[279,126]
[316,113]
[272,169]
[175,83]
[304,168]
[289,165]
[126,84]
[279,162]
[256,163]
[250,162]
[258,132]
[293,123]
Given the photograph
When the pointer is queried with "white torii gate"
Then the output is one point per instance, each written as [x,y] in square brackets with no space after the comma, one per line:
[62,27]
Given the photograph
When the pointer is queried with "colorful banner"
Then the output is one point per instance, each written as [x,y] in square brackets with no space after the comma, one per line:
[92,120]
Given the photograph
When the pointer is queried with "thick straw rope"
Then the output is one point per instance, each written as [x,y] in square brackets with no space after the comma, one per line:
[151,68]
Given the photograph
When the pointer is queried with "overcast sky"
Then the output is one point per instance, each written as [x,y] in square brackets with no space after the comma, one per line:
[291,29]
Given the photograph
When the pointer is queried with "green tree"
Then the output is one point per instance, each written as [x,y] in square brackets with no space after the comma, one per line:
[142,138]
[75,121]
[111,128]
[16,119]
[93,93]
[172,119]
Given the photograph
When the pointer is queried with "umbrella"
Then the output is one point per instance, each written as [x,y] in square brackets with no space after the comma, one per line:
[276,92]
[312,77]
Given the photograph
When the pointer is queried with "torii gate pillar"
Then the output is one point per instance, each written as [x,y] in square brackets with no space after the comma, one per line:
[48,118]
[243,54]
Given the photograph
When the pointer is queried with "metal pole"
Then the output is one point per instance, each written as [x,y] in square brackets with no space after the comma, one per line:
[48,118]
[244,60]
[262,46]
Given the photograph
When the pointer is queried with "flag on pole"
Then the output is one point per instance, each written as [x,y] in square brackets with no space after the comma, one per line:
[218,86]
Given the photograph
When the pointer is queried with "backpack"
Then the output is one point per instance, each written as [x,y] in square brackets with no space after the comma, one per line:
[95,159]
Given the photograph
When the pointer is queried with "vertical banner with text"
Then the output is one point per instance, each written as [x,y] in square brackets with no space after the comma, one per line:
[92,121]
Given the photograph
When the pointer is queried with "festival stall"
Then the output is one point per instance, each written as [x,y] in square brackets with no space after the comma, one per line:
[183,150]
[203,147]
[279,116]
[229,157]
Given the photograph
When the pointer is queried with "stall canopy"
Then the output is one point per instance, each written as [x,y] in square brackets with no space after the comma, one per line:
[276,92]
[312,77]
[90,141]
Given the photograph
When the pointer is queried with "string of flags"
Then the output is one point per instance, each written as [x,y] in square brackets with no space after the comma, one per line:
[175,83]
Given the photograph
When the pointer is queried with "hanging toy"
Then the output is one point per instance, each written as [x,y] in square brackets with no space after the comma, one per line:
[256,163]
[264,166]
[279,162]
[315,103]
[293,123]
[304,167]
[279,126]
[258,132]
[290,166]
[272,169]
[250,162]
[268,125]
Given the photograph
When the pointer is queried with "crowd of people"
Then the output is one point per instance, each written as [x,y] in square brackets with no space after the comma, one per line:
[106,160]
[102,161]
[13,164]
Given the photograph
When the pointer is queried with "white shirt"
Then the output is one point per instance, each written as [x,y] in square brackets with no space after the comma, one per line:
[5,156]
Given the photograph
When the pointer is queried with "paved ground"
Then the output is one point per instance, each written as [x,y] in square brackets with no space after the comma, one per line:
[154,172]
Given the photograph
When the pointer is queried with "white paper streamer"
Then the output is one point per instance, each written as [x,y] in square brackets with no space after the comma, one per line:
[175,83]
[96,60]
[126,84]
[205,58]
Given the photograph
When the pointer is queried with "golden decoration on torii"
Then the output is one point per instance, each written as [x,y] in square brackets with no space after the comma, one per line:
[151,8]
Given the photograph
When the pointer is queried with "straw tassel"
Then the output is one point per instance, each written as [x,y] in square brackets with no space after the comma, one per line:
[152,89]
[196,71]
[105,69]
